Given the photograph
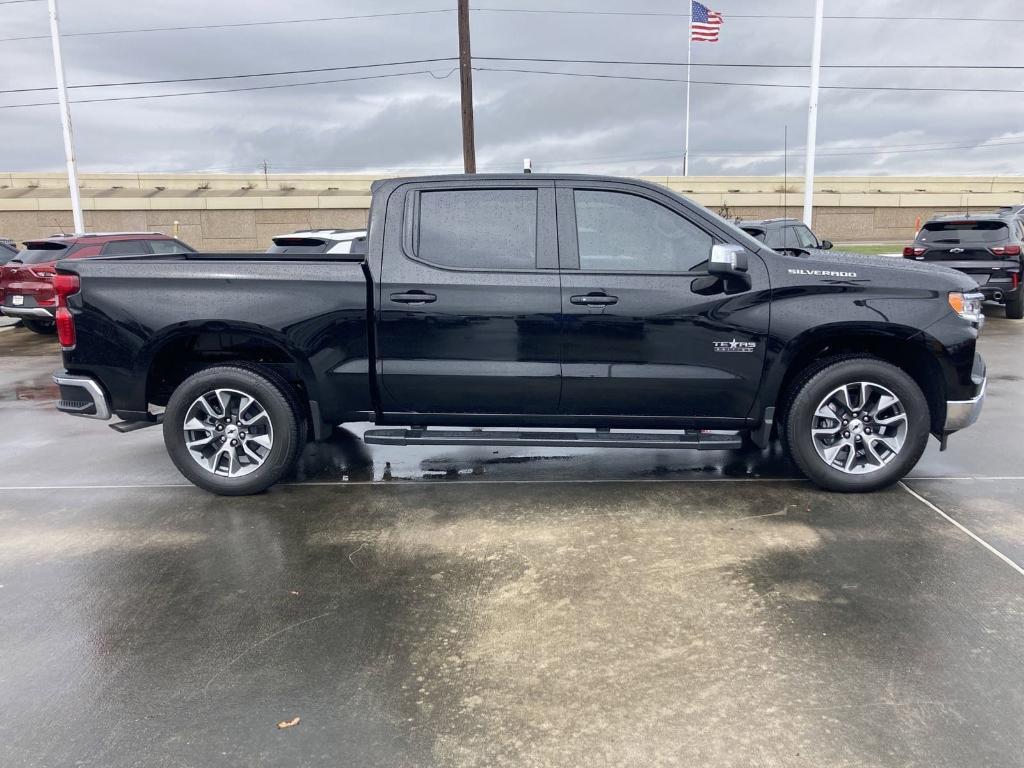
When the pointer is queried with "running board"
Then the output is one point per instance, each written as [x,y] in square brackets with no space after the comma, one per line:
[701,441]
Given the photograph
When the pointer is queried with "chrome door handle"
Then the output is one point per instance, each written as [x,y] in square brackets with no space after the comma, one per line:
[414,297]
[594,299]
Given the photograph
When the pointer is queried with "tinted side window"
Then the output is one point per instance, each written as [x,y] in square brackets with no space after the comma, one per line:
[805,238]
[168,246]
[118,247]
[617,231]
[479,229]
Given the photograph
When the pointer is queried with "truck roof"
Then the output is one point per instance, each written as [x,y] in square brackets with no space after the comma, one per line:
[523,177]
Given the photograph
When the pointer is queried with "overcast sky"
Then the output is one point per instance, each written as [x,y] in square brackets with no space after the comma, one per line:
[564,123]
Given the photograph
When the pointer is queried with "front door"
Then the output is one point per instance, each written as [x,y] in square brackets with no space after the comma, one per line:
[468,318]
[647,332]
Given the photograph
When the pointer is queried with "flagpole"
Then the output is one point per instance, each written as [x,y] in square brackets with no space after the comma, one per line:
[689,47]
[65,119]
[812,115]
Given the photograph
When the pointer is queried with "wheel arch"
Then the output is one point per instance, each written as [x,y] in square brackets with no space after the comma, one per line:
[909,349]
[174,356]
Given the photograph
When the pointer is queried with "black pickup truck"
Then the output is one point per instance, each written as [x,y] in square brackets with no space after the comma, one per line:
[487,309]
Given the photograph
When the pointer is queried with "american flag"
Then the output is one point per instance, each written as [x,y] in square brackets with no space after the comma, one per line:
[705,24]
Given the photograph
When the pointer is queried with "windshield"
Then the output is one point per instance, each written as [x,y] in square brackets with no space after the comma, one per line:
[964,232]
[41,251]
[742,237]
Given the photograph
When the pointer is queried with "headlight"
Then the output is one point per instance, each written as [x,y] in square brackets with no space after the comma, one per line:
[967,305]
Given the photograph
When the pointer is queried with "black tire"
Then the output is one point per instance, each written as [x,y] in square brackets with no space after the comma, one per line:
[42,327]
[809,392]
[274,394]
[1015,306]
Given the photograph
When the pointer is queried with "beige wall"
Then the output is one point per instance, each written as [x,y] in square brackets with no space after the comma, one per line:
[235,230]
[240,212]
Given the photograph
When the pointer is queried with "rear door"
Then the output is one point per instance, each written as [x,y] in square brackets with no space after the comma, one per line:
[647,332]
[468,303]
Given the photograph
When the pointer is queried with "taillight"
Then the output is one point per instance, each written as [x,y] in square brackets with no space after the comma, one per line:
[1006,250]
[65,322]
[911,251]
[64,286]
[43,274]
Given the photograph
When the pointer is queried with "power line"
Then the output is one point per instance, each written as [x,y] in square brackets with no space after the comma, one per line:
[15,2]
[228,26]
[630,62]
[883,88]
[615,62]
[740,15]
[234,90]
[241,76]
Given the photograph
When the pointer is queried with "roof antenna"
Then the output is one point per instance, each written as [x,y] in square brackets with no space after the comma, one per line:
[62,232]
[527,165]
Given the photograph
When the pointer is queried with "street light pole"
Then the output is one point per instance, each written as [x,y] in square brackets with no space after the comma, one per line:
[812,114]
[65,119]
[466,79]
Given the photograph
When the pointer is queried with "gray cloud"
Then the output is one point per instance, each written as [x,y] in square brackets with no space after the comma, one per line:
[569,123]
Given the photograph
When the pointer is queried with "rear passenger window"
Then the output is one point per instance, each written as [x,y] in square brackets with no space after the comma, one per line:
[478,229]
[622,232]
[119,247]
[167,246]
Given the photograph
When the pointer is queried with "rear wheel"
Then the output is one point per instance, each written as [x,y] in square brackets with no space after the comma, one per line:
[1015,306]
[42,327]
[233,430]
[857,425]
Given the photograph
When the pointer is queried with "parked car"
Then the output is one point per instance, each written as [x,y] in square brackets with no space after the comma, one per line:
[8,250]
[321,241]
[988,247]
[853,360]
[784,234]
[26,281]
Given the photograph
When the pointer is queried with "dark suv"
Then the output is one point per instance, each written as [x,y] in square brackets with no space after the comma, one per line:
[784,234]
[26,281]
[987,246]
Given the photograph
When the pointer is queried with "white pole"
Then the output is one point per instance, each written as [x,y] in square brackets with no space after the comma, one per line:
[65,119]
[689,48]
[812,114]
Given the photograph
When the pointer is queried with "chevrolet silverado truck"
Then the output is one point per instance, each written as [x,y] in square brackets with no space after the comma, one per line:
[526,310]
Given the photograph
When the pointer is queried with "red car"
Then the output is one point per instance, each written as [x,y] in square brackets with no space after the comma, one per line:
[26,281]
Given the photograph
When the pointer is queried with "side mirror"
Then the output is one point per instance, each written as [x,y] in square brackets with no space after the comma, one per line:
[727,259]
[825,245]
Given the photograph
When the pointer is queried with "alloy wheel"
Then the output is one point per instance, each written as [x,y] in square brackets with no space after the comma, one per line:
[859,428]
[228,432]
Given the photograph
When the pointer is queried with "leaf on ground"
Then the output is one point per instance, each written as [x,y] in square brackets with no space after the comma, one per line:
[289,723]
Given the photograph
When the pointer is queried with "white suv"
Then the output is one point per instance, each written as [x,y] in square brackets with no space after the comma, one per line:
[321,241]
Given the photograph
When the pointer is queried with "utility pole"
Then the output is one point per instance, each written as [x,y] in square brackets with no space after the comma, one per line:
[266,174]
[812,114]
[65,119]
[466,78]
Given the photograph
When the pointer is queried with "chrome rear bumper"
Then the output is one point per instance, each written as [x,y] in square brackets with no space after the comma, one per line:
[81,396]
[40,312]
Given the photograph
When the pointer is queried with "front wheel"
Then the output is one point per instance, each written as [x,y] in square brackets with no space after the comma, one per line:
[233,430]
[857,425]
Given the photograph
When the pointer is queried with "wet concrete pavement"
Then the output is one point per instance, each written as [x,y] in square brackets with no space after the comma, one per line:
[482,607]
